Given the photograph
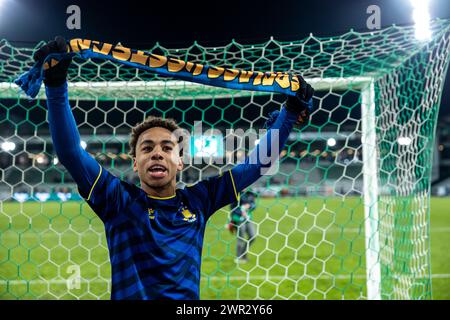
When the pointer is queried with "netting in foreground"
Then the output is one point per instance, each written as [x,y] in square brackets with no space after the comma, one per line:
[345,217]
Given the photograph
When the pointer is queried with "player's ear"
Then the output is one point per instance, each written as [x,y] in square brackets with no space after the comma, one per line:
[134,165]
[179,152]
[180,164]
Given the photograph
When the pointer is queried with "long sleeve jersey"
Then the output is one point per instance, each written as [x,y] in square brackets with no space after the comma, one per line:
[155,244]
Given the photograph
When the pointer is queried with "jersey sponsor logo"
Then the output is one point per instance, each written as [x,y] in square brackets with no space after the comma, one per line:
[151,213]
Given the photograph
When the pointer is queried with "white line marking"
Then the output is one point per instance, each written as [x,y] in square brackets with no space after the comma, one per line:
[204,278]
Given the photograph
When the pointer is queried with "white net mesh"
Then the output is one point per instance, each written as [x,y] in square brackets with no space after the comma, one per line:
[345,217]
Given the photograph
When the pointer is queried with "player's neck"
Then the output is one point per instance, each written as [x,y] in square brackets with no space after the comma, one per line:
[161,192]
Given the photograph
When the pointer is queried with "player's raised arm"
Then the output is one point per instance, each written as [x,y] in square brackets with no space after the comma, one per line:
[296,109]
[84,169]
[225,189]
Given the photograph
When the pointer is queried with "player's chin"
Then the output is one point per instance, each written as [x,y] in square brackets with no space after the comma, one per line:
[156,183]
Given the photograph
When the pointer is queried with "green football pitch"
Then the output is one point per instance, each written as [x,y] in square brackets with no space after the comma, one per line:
[300,244]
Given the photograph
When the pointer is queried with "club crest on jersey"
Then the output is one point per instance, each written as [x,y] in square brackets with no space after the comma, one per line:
[188,215]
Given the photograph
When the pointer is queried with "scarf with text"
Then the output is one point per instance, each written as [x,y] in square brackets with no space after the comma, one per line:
[277,82]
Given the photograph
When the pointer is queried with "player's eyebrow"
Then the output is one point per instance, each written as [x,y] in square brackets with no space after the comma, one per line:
[168,142]
[149,141]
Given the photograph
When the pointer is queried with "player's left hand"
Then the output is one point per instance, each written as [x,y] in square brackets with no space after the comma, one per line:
[302,102]
[55,75]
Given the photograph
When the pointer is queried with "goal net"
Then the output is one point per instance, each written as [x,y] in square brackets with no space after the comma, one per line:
[345,216]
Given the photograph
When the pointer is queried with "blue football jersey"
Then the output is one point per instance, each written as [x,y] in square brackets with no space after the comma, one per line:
[155,244]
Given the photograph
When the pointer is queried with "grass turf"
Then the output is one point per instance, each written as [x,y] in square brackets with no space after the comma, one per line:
[301,243]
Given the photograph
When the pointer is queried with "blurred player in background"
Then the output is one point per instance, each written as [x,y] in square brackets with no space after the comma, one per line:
[241,216]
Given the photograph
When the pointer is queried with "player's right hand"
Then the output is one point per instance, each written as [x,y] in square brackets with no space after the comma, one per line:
[56,73]
[302,102]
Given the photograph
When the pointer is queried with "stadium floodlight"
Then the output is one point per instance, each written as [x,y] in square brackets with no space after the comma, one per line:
[331,142]
[83,144]
[2,2]
[8,146]
[404,141]
[41,159]
[421,17]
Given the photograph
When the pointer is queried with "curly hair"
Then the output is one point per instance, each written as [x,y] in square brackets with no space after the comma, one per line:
[151,122]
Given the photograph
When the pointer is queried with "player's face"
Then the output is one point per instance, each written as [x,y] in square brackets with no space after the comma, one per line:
[157,158]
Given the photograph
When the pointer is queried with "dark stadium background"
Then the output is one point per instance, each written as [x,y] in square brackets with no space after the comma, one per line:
[140,24]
